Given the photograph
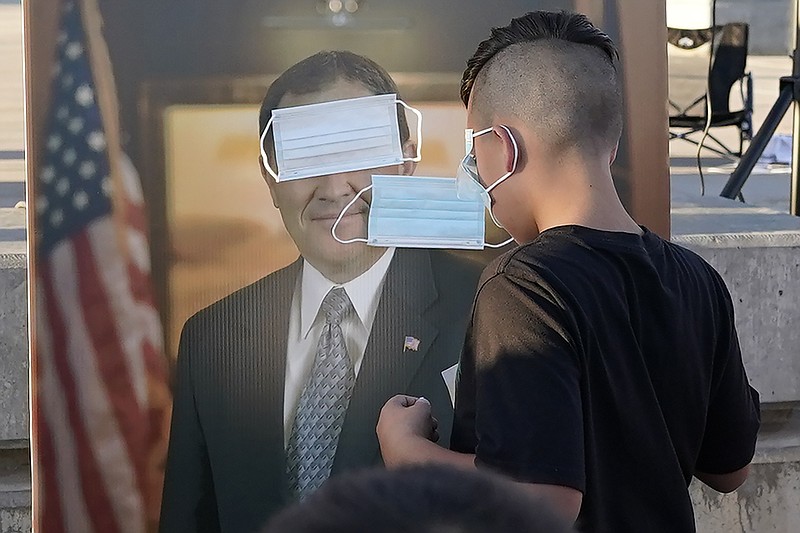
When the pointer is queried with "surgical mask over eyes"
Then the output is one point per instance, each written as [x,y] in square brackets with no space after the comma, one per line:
[419,212]
[336,137]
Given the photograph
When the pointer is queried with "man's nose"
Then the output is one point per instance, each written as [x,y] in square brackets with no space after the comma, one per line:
[335,187]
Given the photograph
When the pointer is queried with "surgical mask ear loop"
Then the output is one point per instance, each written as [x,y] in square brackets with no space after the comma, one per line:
[339,218]
[418,158]
[501,180]
[264,159]
[491,214]
[499,245]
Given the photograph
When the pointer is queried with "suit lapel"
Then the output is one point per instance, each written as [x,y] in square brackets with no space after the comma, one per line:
[266,353]
[388,368]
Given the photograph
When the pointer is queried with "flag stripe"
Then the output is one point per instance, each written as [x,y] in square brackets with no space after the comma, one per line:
[138,255]
[64,469]
[117,424]
[50,500]
[113,299]
[88,476]
[135,217]
[149,320]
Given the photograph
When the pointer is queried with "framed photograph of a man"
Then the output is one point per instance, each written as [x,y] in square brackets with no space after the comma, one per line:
[250,368]
[277,343]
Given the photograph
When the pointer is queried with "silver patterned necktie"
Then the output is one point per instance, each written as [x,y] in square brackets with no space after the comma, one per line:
[323,402]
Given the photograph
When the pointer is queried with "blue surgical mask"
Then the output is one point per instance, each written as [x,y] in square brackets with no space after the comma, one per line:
[420,212]
[336,137]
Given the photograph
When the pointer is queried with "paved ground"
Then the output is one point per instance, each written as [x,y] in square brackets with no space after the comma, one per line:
[765,188]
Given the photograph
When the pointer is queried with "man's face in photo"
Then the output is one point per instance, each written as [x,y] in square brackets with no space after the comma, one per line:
[310,206]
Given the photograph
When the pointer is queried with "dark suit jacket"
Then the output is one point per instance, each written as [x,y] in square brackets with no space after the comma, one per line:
[226,467]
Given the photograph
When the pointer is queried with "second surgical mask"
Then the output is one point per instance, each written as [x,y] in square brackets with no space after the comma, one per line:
[420,212]
[336,137]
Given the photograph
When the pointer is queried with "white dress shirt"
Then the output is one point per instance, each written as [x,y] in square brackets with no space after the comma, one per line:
[306,322]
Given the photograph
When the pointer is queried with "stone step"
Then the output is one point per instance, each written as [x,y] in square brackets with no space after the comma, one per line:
[15,490]
[15,503]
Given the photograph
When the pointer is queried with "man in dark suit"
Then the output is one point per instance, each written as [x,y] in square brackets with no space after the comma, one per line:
[249,365]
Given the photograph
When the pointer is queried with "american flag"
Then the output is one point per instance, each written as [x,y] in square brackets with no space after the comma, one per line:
[101,400]
[411,343]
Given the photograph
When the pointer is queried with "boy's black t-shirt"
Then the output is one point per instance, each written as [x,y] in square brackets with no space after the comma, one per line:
[607,362]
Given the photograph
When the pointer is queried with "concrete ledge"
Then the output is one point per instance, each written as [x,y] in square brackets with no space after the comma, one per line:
[762,270]
[714,215]
[15,468]
[757,252]
[13,347]
[753,239]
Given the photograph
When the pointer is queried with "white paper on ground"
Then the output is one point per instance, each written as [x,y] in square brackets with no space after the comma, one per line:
[778,150]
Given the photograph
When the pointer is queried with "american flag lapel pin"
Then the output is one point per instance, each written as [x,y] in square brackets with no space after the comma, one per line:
[411,343]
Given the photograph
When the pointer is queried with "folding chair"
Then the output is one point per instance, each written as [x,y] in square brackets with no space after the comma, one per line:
[688,55]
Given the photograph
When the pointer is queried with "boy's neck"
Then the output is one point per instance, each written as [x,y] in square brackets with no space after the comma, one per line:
[588,200]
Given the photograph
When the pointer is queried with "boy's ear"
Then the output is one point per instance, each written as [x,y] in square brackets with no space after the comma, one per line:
[508,148]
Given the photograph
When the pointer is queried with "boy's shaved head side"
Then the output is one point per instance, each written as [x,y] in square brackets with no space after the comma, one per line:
[556,73]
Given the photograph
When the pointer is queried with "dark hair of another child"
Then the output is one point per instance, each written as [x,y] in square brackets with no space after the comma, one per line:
[419,499]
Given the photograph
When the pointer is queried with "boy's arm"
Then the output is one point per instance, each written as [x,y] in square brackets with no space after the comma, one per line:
[734,415]
[724,482]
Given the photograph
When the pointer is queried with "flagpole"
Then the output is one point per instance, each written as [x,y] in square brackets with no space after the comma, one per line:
[106,94]
[40,29]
